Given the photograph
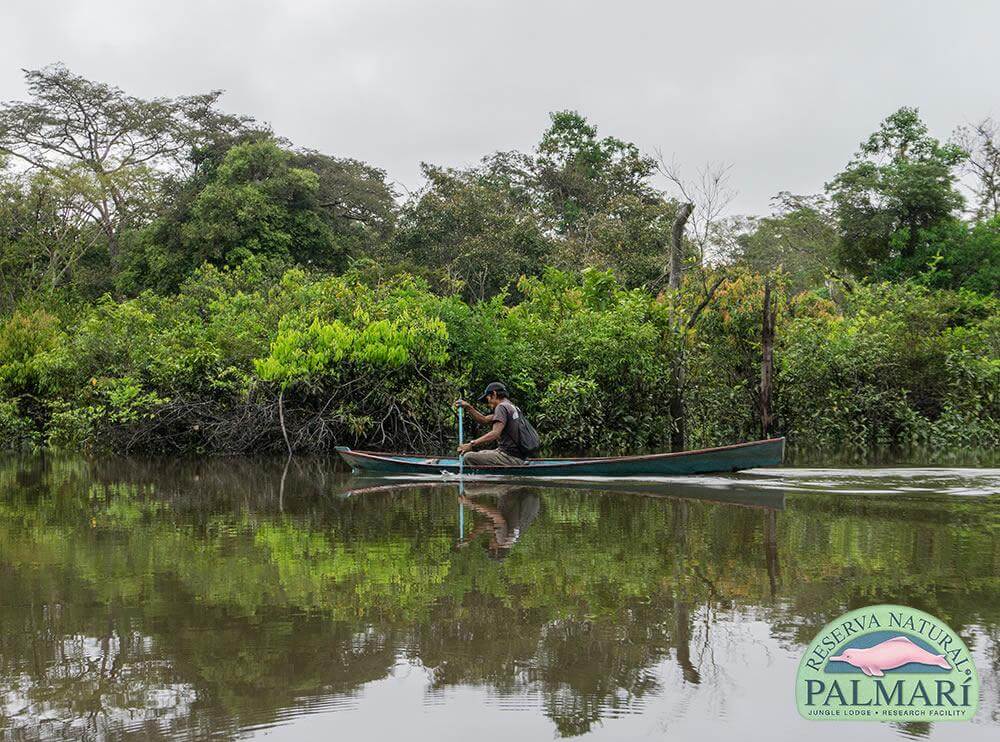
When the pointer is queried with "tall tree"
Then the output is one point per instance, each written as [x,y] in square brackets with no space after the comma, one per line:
[704,201]
[901,181]
[596,194]
[578,173]
[45,233]
[477,225]
[800,238]
[354,199]
[982,142]
[257,202]
[115,148]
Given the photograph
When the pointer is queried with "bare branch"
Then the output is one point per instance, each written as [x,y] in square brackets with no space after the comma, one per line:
[982,142]
[709,294]
[710,192]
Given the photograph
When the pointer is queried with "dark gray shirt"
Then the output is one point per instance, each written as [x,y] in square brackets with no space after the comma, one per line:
[507,413]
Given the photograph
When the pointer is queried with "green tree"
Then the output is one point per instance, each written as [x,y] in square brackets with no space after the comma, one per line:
[46,236]
[157,256]
[113,148]
[902,180]
[577,201]
[800,238]
[596,194]
[259,203]
[954,254]
[354,199]
[250,194]
[579,174]
[477,226]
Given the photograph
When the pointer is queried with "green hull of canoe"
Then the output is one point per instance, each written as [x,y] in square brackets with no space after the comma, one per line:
[706,461]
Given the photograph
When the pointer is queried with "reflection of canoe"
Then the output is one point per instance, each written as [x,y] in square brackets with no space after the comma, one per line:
[738,493]
[704,461]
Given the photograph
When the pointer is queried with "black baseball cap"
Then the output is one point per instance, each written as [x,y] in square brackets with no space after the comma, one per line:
[493,386]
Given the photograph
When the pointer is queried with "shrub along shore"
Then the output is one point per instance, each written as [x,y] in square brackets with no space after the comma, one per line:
[364,359]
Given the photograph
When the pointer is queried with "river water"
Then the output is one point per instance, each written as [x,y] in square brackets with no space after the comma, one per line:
[233,599]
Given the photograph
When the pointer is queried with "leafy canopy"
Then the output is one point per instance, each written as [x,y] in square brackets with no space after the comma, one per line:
[901,180]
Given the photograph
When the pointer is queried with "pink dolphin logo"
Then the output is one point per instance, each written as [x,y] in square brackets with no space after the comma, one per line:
[889,655]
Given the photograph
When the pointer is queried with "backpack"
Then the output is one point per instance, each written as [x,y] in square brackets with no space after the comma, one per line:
[527,437]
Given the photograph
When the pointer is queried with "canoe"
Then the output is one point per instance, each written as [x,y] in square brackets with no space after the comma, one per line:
[704,461]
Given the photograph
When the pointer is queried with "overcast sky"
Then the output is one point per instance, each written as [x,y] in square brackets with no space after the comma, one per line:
[784,90]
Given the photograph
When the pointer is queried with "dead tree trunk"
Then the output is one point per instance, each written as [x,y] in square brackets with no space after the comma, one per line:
[767,361]
[677,245]
[677,434]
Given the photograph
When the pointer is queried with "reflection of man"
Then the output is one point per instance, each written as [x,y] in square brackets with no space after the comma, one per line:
[516,509]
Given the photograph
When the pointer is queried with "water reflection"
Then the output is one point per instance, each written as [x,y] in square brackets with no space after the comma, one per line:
[219,597]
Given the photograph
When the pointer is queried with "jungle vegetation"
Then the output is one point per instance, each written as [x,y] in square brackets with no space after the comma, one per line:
[176,278]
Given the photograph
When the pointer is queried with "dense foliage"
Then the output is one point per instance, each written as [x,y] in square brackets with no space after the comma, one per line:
[194,282]
[376,361]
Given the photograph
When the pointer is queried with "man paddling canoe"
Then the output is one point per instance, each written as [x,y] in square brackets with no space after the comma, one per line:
[514,436]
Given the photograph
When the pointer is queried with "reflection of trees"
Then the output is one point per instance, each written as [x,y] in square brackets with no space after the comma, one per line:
[771,550]
[581,668]
[992,643]
[193,590]
[76,670]
[73,668]
[587,670]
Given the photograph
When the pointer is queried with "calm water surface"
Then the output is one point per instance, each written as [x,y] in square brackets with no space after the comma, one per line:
[207,599]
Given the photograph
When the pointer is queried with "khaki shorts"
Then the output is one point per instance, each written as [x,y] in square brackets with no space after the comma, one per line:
[491,457]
